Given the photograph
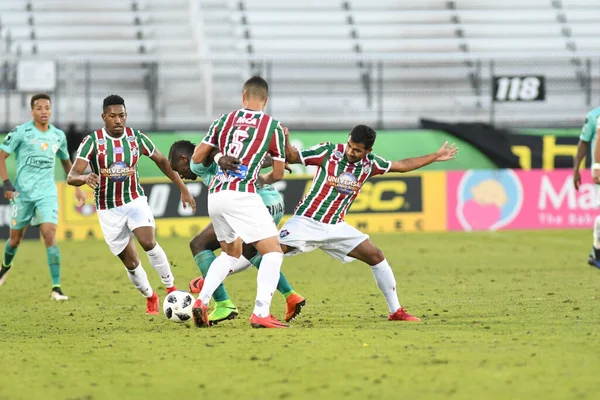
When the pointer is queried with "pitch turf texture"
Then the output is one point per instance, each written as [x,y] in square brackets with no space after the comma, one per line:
[509,315]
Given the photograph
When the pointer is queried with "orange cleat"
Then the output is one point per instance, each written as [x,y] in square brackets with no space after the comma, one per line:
[171,289]
[152,305]
[196,285]
[294,303]
[200,314]
[266,322]
[401,315]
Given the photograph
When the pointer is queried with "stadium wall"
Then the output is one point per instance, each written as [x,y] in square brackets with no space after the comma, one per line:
[471,195]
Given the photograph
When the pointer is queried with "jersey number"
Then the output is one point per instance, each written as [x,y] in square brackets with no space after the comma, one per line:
[237,145]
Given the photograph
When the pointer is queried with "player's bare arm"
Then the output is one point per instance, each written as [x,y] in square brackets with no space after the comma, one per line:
[582,148]
[161,162]
[445,153]
[292,155]
[79,195]
[9,189]
[76,176]
[596,164]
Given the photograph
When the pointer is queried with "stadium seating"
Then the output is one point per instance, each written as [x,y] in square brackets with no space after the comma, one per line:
[361,60]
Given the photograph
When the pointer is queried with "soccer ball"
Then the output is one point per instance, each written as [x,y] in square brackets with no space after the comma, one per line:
[178,306]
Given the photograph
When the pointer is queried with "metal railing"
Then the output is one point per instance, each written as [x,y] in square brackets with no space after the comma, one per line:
[387,91]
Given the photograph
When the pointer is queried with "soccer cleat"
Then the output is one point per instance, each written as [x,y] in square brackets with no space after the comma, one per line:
[223,311]
[200,314]
[196,285]
[3,273]
[152,305]
[294,303]
[171,289]
[57,294]
[401,315]
[594,263]
[266,322]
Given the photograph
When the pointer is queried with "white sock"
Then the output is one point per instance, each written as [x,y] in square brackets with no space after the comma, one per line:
[241,265]
[597,232]
[160,263]
[387,284]
[217,272]
[139,279]
[266,280]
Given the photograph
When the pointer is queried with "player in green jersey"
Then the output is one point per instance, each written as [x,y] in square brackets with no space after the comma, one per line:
[205,243]
[588,140]
[33,197]
[123,211]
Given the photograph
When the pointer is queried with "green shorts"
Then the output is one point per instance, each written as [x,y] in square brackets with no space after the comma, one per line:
[36,212]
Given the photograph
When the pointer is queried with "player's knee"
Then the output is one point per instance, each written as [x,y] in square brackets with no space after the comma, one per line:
[376,256]
[14,241]
[196,245]
[148,244]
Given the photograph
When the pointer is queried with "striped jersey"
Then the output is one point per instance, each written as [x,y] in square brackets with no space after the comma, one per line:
[337,181]
[115,160]
[247,135]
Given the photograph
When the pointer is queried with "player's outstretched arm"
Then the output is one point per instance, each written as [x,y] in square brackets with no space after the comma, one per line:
[445,153]
[79,195]
[163,164]
[76,176]
[275,175]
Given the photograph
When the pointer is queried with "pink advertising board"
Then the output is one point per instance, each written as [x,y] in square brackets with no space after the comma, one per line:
[517,199]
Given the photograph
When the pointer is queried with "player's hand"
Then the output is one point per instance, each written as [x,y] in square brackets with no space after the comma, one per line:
[261,180]
[576,179]
[229,163]
[288,168]
[188,199]
[446,153]
[9,190]
[80,196]
[92,180]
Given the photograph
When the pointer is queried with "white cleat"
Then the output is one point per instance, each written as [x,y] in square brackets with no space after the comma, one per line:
[58,295]
[3,278]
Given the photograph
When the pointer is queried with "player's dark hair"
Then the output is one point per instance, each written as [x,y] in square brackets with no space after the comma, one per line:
[37,97]
[256,87]
[113,100]
[181,147]
[364,135]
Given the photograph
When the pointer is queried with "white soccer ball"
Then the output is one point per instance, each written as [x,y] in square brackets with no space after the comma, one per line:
[178,306]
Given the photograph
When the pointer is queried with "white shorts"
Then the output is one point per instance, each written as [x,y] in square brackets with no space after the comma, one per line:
[240,214]
[306,234]
[119,223]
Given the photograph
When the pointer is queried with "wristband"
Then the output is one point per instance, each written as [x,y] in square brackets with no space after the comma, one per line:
[217,157]
[8,187]
[595,166]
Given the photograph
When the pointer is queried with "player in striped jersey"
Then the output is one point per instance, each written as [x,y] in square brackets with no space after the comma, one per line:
[589,139]
[236,210]
[318,220]
[113,153]
[205,243]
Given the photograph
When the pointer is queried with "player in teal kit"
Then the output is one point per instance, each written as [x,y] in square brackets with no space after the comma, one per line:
[33,197]
[205,243]
[587,140]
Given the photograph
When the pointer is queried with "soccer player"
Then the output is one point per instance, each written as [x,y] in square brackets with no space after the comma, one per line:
[589,133]
[34,197]
[318,220]
[113,153]
[205,243]
[236,210]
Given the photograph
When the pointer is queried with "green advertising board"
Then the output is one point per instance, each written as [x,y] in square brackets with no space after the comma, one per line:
[393,145]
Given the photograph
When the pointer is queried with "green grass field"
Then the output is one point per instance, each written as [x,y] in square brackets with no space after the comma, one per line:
[509,315]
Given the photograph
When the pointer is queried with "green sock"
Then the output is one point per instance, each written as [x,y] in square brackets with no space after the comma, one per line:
[203,261]
[9,254]
[283,286]
[53,255]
